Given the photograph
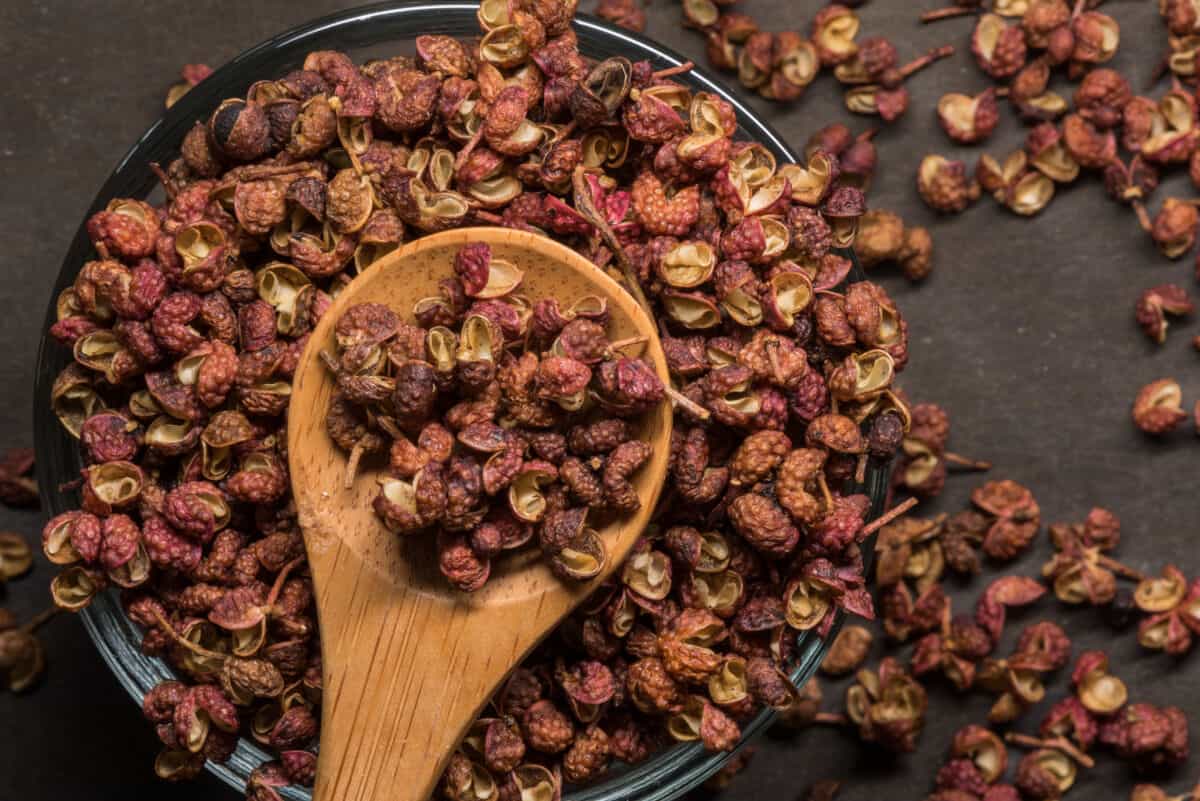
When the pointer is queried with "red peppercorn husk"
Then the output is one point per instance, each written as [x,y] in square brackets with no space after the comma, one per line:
[192,74]
[1156,304]
[1173,229]
[969,120]
[945,186]
[1157,409]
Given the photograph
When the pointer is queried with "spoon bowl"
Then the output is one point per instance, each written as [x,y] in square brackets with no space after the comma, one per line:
[408,661]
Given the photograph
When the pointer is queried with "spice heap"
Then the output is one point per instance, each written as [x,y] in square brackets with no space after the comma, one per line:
[477,410]
[187,328]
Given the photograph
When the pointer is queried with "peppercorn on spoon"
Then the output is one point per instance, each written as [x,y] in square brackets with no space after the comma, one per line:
[408,661]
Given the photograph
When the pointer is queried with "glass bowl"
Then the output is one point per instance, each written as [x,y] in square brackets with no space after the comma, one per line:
[371,31]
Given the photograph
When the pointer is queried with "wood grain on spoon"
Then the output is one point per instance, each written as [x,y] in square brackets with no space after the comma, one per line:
[409,662]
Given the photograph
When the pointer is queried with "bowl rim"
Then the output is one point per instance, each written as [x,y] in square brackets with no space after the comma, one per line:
[665,775]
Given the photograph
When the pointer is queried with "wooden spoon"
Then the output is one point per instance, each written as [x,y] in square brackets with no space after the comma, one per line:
[408,661]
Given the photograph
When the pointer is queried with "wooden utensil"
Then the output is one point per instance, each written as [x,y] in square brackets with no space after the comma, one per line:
[408,661]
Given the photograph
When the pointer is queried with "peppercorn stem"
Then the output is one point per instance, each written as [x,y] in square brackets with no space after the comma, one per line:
[924,61]
[689,405]
[165,180]
[40,619]
[1143,218]
[277,587]
[826,495]
[195,648]
[352,465]
[585,204]
[621,344]
[565,131]
[962,461]
[1120,569]
[330,361]
[887,517]
[70,486]
[389,427]
[1057,743]
[686,66]
[488,217]
[468,148]
[860,469]
[947,13]
[776,367]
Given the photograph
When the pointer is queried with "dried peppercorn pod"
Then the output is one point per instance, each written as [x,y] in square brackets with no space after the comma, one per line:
[1049,156]
[1089,146]
[1102,96]
[888,706]
[1158,409]
[944,185]
[1045,774]
[876,55]
[880,238]
[1017,518]
[1173,229]
[1150,737]
[968,120]
[984,749]
[999,48]
[833,32]
[960,775]
[1155,304]
[1042,18]
[1097,37]
[1172,134]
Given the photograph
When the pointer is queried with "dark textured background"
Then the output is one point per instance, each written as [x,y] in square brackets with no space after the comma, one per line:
[1024,332]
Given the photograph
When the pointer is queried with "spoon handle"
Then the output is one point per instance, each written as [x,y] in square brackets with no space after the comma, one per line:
[405,673]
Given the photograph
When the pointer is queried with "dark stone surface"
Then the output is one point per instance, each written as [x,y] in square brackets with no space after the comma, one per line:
[1024,333]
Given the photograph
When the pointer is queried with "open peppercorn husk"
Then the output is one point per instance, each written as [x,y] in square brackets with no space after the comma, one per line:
[18,488]
[186,329]
[883,237]
[876,80]
[22,656]
[1081,571]
[1158,407]
[925,459]
[888,706]
[1171,606]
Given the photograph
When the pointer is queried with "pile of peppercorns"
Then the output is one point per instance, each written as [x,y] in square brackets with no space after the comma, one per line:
[187,327]
[487,415]
[186,330]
